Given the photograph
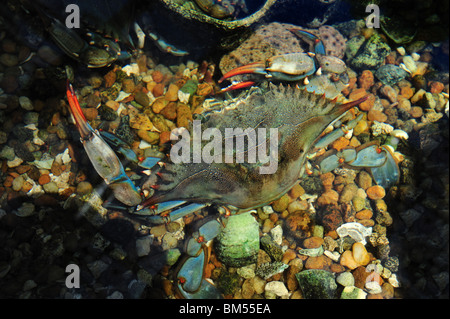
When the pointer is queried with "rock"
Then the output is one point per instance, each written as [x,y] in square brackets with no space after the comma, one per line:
[84,188]
[376,115]
[373,287]
[149,137]
[281,204]
[157,76]
[26,103]
[330,197]
[376,192]
[354,230]
[18,183]
[143,245]
[316,260]
[390,74]
[277,234]
[9,60]
[172,93]
[364,180]
[278,288]
[389,92]
[366,80]
[348,192]
[184,115]
[27,209]
[345,279]
[364,214]
[348,261]
[436,87]
[271,248]
[352,292]
[317,284]
[371,54]
[238,244]
[313,242]
[360,254]
[268,269]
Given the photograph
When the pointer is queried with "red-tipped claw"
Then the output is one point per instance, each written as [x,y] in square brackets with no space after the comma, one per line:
[236,86]
[83,126]
[256,67]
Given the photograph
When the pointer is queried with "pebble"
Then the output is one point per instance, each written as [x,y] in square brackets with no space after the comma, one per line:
[352,292]
[158,90]
[313,242]
[348,261]
[9,60]
[84,188]
[373,287]
[364,214]
[364,180]
[366,80]
[277,288]
[18,183]
[389,92]
[26,103]
[44,179]
[27,209]
[416,112]
[330,197]
[143,245]
[360,254]
[172,93]
[376,192]
[345,279]
[376,115]
[51,188]
[281,204]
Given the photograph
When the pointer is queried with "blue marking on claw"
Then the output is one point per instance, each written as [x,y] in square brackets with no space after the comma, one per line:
[206,291]
[210,230]
[388,174]
[191,272]
[369,157]
[330,163]
[149,162]
[319,47]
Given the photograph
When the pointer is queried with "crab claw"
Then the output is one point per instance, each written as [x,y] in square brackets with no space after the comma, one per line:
[83,126]
[319,48]
[238,85]
[252,68]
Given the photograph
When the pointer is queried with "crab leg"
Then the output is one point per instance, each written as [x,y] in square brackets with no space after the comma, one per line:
[252,68]
[319,48]
[103,158]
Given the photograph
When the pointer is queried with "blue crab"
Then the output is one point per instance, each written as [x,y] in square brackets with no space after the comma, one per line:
[290,67]
[175,189]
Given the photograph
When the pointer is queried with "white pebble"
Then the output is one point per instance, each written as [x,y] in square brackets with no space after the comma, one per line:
[333,255]
[400,134]
[415,56]
[277,234]
[394,281]
[15,162]
[401,50]
[355,230]
[277,288]
[373,287]
[25,103]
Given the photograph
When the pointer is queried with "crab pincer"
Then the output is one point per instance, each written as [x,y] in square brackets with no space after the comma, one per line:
[103,158]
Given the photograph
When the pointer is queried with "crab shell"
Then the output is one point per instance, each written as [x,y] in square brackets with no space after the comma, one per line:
[292,64]
[299,116]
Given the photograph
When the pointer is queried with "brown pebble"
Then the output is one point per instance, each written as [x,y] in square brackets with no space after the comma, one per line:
[366,80]
[376,192]
[330,197]
[172,93]
[376,115]
[296,191]
[320,262]
[110,78]
[288,256]
[157,76]
[128,85]
[90,113]
[313,242]
[44,179]
[158,90]
[416,111]
[407,92]
[364,214]
[436,87]
[348,261]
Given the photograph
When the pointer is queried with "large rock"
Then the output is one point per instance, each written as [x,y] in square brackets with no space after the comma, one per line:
[317,284]
[367,55]
[238,244]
